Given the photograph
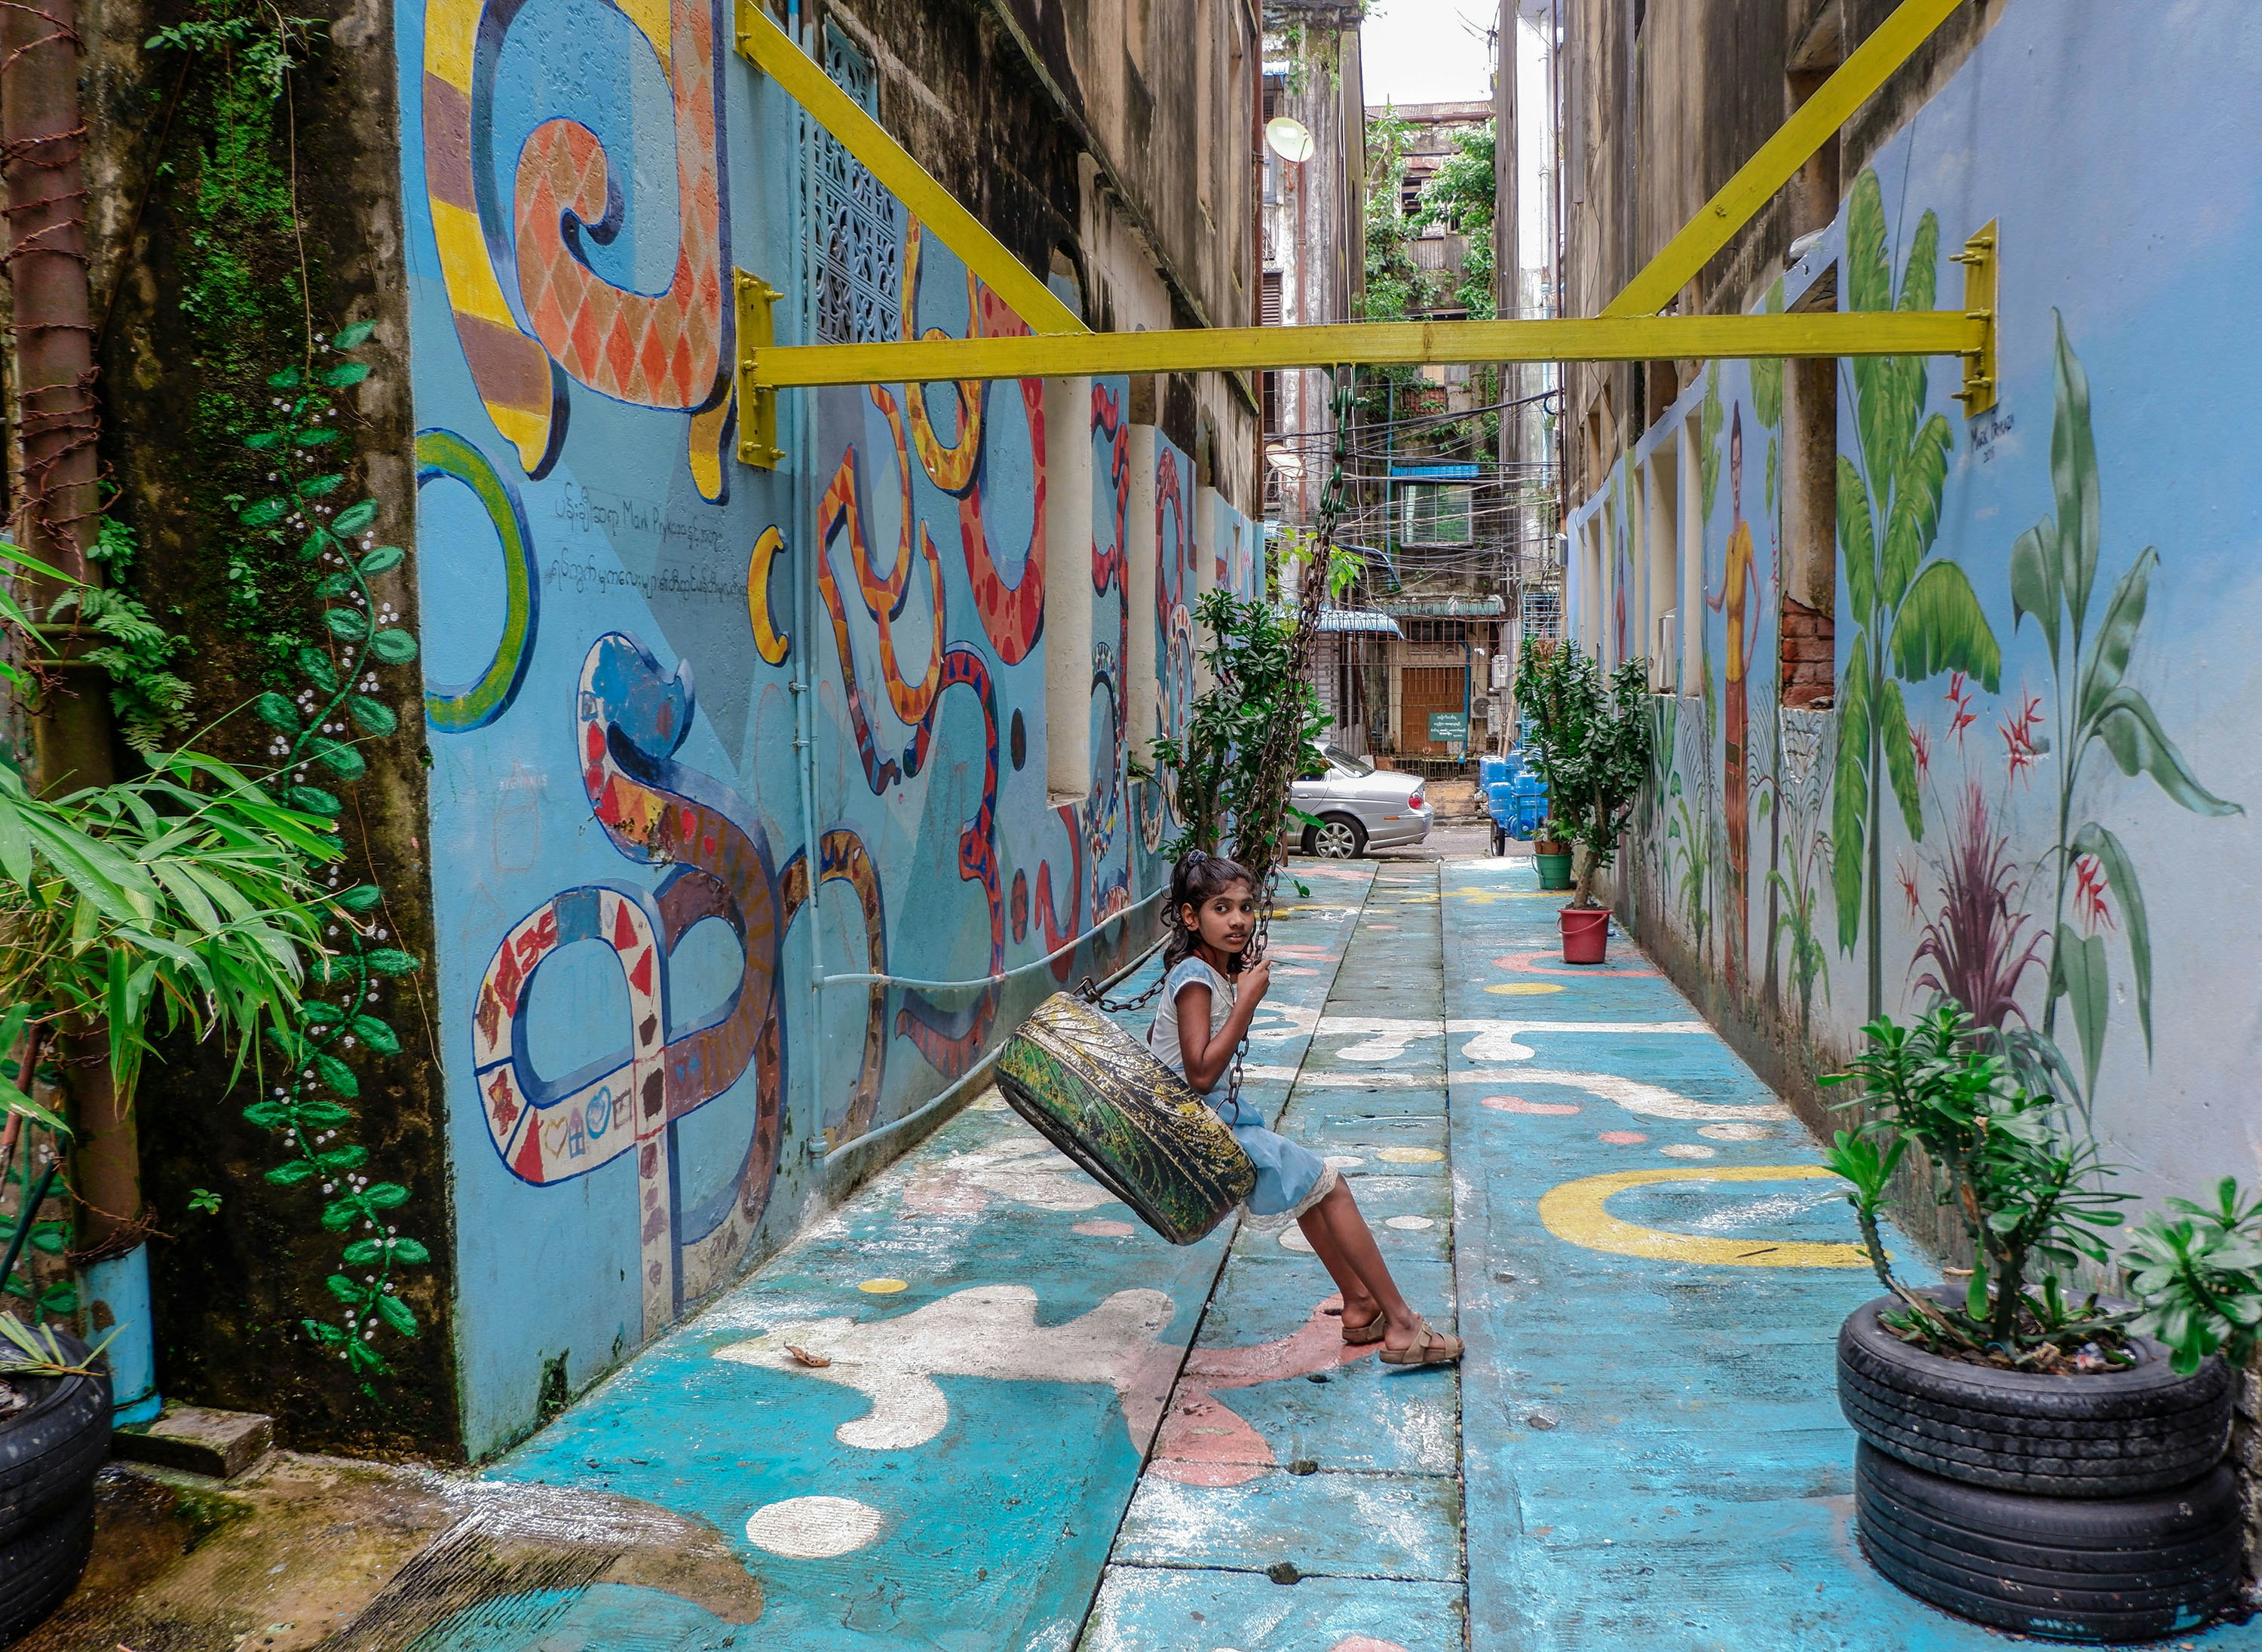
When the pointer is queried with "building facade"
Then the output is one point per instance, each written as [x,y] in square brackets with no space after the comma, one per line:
[741,809]
[1950,705]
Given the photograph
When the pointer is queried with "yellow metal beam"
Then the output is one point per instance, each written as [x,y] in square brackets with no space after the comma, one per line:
[1218,349]
[1865,69]
[772,50]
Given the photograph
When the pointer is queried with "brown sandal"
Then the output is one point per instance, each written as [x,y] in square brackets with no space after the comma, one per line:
[1371,1332]
[1429,1347]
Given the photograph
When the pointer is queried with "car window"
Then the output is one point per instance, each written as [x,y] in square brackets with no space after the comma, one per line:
[1347,765]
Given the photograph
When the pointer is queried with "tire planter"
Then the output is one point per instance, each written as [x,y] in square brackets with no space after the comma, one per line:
[2096,1569]
[1554,868]
[49,1454]
[1101,1097]
[2111,1434]
[2084,1508]
[1586,933]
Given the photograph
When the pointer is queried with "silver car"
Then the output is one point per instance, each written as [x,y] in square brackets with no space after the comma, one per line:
[1357,807]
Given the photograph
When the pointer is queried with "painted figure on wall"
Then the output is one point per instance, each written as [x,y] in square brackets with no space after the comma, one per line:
[1738,581]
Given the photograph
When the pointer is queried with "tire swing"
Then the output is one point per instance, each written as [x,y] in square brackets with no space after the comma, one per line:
[1137,1128]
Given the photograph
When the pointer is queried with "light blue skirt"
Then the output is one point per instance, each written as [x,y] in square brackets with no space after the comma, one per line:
[1291,1179]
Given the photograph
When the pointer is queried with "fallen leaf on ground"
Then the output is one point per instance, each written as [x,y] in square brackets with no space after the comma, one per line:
[807,1358]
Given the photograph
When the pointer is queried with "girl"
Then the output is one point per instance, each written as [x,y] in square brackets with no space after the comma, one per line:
[1208,1000]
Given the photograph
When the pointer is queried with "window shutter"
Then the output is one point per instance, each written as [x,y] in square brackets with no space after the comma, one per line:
[1269,313]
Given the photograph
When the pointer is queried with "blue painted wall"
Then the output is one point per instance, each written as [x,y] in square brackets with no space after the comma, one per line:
[646,837]
[2080,872]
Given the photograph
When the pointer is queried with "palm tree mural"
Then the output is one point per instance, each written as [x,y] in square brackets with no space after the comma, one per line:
[1914,617]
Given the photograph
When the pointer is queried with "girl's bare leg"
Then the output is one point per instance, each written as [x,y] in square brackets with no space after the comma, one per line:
[1341,1240]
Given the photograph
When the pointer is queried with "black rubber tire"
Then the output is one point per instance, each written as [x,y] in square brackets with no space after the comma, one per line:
[1358,837]
[2112,1435]
[49,1453]
[1102,1098]
[2080,1569]
[40,1566]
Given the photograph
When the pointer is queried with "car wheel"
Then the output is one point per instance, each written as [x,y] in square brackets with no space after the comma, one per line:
[1337,837]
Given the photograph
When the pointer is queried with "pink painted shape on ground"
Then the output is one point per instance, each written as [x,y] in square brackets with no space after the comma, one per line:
[945,1193]
[1517,1104]
[1529,963]
[1204,1442]
[1623,1138]
[1105,1229]
[1294,969]
[1297,949]
[1365,1643]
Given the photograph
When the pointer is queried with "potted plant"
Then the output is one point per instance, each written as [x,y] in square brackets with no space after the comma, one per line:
[1588,739]
[1550,850]
[2042,1460]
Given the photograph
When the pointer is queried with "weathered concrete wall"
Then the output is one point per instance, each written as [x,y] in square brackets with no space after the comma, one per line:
[2074,865]
[206,289]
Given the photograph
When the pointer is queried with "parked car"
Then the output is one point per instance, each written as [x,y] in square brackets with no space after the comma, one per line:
[1359,807]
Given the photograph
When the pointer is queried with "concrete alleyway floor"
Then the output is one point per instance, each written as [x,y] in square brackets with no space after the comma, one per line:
[981,1409]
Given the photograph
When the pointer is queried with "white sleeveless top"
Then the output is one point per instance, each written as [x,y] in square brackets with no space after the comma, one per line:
[1163,1036]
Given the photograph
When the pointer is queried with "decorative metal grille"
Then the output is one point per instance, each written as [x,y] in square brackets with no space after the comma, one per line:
[852,228]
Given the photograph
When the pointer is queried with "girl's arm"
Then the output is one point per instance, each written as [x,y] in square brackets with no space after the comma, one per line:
[1207,1057]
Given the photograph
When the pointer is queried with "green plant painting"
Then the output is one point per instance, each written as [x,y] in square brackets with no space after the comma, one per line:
[1914,617]
[2053,581]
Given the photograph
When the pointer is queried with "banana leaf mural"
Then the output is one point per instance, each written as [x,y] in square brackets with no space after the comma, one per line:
[1914,617]
[2053,580]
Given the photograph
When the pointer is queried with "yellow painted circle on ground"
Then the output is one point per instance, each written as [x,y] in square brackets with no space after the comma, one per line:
[1523,989]
[883,1287]
[1577,1211]
[1409,1155]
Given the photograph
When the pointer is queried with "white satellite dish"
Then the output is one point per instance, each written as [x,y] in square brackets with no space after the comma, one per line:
[1288,138]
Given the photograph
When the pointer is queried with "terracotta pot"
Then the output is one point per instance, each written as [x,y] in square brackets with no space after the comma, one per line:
[1586,933]
[1554,868]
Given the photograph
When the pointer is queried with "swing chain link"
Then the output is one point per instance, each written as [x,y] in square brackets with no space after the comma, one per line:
[1280,742]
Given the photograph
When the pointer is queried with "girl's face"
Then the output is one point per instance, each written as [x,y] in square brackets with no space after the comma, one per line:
[1223,922]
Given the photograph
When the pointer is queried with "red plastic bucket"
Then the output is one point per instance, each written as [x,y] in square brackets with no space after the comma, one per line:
[1586,933]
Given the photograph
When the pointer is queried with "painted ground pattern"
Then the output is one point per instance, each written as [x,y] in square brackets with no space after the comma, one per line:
[980,1407]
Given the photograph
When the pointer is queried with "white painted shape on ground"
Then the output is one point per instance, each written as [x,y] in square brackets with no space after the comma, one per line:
[1737,1132]
[1029,1170]
[813,1528]
[1687,1149]
[1652,1100]
[1411,1224]
[1294,1239]
[986,1331]
[1342,1161]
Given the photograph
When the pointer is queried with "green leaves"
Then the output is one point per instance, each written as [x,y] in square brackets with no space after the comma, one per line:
[360,898]
[2131,731]
[393,647]
[2120,881]
[340,759]
[2116,637]
[391,961]
[2079,972]
[2073,479]
[1900,757]
[1857,539]
[375,717]
[320,671]
[382,560]
[348,623]
[1940,627]
[275,709]
[353,336]
[353,518]
[1915,519]
[2035,586]
[1850,794]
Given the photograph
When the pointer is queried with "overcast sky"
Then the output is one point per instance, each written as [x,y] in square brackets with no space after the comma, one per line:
[1427,50]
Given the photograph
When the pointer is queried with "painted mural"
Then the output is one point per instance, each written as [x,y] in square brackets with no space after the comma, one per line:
[703,734]
[2027,792]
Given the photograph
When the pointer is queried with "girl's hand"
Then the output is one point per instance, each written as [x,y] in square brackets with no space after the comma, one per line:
[1254,979]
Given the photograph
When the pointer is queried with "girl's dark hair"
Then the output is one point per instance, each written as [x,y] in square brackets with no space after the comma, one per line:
[1198,876]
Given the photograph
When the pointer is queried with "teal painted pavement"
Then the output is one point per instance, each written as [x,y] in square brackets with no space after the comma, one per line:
[1654,1441]
[1000,1335]
[1352,1475]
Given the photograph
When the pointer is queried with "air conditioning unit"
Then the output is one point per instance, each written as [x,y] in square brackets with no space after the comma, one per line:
[1665,658]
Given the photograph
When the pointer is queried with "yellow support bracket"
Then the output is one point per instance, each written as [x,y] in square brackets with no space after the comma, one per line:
[1866,67]
[1978,259]
[772,50]
[1218,349]
[758,444]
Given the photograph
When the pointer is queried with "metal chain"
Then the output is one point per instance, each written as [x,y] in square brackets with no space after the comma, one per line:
[1263,827]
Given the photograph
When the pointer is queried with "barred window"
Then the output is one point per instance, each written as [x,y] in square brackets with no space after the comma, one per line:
[852,227]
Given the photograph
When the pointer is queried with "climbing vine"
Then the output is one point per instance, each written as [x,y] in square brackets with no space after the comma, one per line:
[271,441]
[316,738]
